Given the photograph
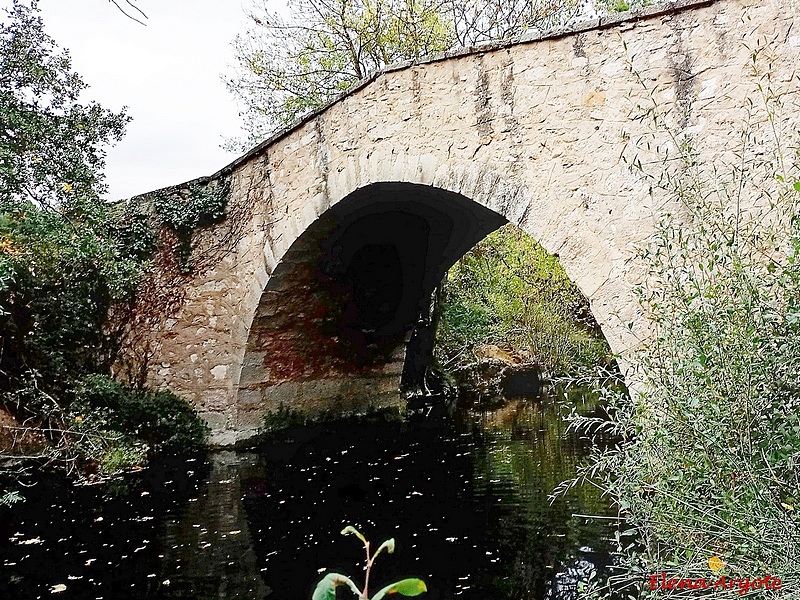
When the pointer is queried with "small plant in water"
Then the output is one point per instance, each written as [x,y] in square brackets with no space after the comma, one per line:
[326,588]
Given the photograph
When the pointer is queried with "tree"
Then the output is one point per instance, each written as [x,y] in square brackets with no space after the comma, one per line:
[60,266]
[288,67]
[508,291]
[67,261]
[51,146]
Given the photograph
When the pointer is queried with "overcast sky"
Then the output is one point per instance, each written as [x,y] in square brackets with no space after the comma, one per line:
[167,74]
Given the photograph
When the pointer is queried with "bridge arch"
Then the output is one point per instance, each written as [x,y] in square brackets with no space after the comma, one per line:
[332,325]
[298,351]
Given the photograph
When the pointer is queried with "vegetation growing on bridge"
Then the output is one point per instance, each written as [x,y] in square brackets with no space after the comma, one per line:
[64,267]
[183,211]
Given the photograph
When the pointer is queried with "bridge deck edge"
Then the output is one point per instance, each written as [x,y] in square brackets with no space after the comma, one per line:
[596,24]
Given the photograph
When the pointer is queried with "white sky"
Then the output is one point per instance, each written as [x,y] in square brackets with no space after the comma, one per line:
[167,74]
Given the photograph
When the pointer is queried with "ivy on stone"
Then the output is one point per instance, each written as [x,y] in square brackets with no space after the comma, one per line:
[187,209]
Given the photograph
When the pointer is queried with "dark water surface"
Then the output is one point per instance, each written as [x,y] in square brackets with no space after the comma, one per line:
[466,501]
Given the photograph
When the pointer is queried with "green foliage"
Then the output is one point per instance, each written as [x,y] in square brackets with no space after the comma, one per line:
[68,259]
[617,6]
[60,269]
[160,419]
[709,463]
[284,418]
[100,424]
[186,210]
[122,456]
[63,272]
[134,230]
[51,145]
[510,292]
[287,68]
[326,588]
[199,206]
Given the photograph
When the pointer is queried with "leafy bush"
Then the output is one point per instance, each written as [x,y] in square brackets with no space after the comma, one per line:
[60,268]
[159,418]
[122,456]
[62,276]
[615,6]
[709,463]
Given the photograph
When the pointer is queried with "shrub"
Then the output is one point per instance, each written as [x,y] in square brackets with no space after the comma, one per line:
[160,419]
[122,456]
[62,273]
[709,463]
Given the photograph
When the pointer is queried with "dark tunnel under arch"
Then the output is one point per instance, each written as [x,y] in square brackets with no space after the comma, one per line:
[333,324]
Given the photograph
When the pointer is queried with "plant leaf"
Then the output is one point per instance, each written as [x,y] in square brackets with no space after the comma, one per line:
[350,529]
[388,545]
[326,588]
[406,587]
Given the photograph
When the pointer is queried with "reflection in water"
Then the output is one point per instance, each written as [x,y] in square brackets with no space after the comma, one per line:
[208,551]
[466,501]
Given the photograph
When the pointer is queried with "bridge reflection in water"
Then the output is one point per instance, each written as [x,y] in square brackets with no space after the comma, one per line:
[466,501]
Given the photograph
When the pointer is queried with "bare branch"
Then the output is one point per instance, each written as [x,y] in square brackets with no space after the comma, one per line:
[125,11]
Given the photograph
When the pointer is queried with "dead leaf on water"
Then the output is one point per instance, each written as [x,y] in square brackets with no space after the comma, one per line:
[35,540]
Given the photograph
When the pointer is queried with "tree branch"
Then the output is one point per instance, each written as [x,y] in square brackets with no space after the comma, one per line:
[124,10]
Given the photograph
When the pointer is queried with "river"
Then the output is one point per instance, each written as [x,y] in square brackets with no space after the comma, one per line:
[465,498]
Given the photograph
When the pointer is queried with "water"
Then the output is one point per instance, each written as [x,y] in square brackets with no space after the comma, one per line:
[466,501]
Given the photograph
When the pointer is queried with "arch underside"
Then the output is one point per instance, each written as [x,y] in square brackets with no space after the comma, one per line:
[333,324]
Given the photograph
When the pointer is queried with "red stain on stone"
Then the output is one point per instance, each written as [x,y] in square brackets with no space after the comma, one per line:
[304,332]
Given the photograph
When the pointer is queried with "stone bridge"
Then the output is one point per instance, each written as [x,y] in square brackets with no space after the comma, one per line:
[338,229]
